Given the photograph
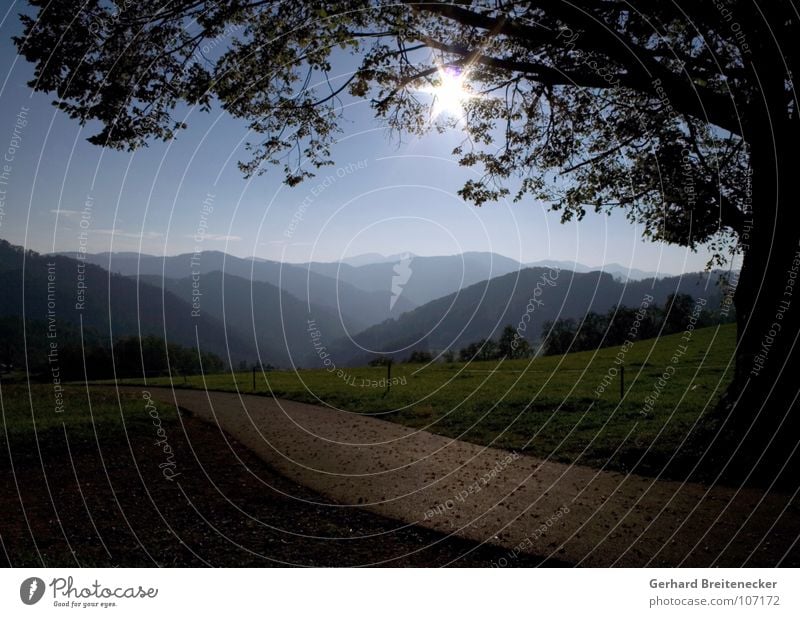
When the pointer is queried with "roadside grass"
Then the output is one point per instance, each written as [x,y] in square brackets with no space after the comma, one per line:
[567,408]
[27,411]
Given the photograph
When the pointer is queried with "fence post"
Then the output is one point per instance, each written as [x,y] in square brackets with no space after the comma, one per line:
[389,375]
[621,382]
[254,378]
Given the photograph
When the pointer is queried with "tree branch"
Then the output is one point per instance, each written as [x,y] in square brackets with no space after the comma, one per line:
[599,38]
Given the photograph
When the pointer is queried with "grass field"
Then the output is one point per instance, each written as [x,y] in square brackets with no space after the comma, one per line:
[564,407]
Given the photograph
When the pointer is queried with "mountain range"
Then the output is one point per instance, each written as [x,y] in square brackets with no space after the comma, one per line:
[359,308]
[249,310]
[58,291]
[482,310]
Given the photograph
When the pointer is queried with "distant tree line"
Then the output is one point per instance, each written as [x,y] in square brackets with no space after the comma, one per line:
[150,356]
[623,323]
[618,325]
[594,331]
[419,356]
[509,345]
[91,357]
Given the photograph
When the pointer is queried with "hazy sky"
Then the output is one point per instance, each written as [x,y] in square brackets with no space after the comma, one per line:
[382,196]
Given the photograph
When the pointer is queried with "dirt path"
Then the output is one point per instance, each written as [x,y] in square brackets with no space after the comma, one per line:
[578,514]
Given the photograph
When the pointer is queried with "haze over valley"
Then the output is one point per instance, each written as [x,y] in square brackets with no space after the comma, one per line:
[254,311]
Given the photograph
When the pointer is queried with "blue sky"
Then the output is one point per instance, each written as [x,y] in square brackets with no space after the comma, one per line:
[382,196]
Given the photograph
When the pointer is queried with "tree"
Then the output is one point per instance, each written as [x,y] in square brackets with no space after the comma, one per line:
[590,332]
[487,350]
[11,344]
[511,345]
[621,325]
[682,114]
[480,351]
[559,336]
[419,356]
[468,353]
[678,311]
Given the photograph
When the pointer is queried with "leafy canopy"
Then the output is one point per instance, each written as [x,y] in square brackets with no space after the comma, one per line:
[600,104]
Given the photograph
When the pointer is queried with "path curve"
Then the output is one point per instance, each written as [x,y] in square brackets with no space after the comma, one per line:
[569,512]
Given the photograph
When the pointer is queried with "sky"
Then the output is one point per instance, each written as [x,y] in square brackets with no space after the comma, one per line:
[382,196]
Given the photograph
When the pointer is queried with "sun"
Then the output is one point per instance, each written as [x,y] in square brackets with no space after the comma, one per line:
[450,93]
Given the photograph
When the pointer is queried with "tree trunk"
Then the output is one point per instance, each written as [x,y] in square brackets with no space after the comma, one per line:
[757,419]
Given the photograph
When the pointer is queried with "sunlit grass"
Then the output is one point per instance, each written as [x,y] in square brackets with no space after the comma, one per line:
[551,406]
[32,410]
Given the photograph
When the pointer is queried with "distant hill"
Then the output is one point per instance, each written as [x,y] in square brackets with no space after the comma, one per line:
[632,274]
[41,288]
[371,258]
[483,309]
[429,277]
[268,318]
[359,308]
[438,276]
[616,270]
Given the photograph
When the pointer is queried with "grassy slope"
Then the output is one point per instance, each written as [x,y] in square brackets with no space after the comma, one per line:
[548,407]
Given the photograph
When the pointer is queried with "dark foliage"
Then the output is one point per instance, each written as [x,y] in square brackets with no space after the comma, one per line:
[92,358]
[621,324]
[419,356]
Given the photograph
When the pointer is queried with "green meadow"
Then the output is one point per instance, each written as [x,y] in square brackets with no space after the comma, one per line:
[569,408]
[30,412]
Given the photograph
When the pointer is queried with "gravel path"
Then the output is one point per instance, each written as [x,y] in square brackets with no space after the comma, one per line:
[524,504]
